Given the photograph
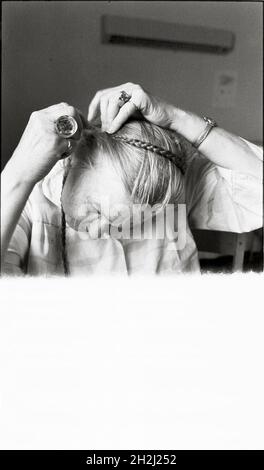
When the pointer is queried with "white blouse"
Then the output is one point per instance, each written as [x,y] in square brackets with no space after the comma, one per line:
[216,199]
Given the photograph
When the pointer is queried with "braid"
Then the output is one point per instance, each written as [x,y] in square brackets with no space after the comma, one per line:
[174,158]
[63,236]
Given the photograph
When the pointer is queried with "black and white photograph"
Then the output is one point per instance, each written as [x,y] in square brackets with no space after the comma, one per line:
[131,209]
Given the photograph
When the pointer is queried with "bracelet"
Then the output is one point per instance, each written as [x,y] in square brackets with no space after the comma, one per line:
[209,126]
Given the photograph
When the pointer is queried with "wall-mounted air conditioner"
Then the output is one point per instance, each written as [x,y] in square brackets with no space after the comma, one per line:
[138,31]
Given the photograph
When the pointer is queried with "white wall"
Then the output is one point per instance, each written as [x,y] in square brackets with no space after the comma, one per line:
[52,52]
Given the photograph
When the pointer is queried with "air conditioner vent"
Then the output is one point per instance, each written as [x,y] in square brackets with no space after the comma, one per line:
[142,32]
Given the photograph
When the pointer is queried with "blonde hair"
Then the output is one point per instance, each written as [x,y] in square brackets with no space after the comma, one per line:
[149,159]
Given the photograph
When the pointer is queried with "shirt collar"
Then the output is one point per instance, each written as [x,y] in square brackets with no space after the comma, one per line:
[52,184]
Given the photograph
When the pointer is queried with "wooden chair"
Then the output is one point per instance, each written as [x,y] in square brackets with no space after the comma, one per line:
[228,243]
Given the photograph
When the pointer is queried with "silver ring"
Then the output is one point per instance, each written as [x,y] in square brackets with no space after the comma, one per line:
[68,151]
[124,97]
[66,126]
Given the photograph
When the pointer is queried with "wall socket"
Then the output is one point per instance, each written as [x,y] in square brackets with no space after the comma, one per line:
[225,88]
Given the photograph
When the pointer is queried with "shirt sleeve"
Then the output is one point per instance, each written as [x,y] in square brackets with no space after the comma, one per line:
[222,199]
[16,256]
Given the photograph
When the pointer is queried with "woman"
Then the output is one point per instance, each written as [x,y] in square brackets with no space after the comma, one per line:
[222,187]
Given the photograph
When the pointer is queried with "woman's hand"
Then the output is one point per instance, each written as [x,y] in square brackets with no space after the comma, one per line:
[40,146]
[220,146]
[38,151]
[113,114]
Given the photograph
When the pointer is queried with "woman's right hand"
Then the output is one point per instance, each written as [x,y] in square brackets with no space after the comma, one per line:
[40,147]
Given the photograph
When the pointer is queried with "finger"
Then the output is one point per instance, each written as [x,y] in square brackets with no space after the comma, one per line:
[124,114]
[63,109]
[103,111]
[113,108]
[94,106]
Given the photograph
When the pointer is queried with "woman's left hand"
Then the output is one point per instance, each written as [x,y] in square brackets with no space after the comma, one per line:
[115,112]
[220,146]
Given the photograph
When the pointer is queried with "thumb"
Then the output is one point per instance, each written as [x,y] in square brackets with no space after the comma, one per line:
[127,110]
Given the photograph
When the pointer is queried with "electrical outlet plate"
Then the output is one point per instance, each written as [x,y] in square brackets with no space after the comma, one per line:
[225,87]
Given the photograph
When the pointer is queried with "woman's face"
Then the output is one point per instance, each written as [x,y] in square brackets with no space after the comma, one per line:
[94,197]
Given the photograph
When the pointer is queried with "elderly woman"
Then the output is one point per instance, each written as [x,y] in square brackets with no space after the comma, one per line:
[64,199]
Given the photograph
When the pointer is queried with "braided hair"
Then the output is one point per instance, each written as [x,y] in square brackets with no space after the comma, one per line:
[177,159]
[64,256]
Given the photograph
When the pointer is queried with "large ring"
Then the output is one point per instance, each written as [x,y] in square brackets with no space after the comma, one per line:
[124,96]
[66,126]
[68,151]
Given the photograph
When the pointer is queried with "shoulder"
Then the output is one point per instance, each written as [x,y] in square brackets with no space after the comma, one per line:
[257,148]
[43,204]
[49,188]
[223,199]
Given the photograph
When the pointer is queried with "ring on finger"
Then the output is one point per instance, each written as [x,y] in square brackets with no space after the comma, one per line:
[123,98]
[66,126]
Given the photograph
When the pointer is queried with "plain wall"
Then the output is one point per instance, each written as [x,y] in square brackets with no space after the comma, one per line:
[52,52]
